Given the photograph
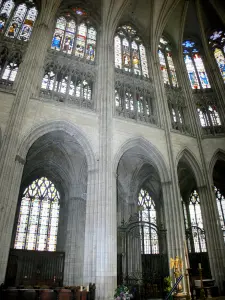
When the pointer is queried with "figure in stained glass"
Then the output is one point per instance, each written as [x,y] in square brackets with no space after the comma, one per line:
[57,40]
[130,53]
[194,62]
[166,63]
[5,13]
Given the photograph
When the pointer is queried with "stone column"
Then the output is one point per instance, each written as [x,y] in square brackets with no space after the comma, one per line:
[174,223]
[214,236]
[101,217]
[29,73]
[74,246]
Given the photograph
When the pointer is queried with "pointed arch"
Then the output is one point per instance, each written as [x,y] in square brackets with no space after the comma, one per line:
[149,151]
[65,126]
[219,154]
[189,158]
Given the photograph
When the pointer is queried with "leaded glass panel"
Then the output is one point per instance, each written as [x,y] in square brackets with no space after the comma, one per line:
[191,72]
[166,63]
[217,42]
[201,71]
[16,21]
[91,44]
[195,66]
[163,67]
[148,232]
[37,225]
[5,13]
[81,40]
[197,229]
[118,53]
[220,59]
[129,52]
[220,201]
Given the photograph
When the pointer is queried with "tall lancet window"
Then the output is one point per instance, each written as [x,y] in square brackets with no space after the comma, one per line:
[195,66]
[147,215]
[194,224]
[217,42]
[17,20]
[75,35]
[166,63]
[37,225]
[220,201]
[130,54]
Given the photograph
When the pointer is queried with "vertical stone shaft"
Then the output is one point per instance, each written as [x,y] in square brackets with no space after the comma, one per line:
[30,71]
[74,247]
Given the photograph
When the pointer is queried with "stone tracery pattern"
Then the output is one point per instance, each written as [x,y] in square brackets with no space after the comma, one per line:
[67,80]
[38,218]
[74,35]
[194,224]
[17,19]
[147,213]
[133,89]
[166,63]
[130,53]
[134,99]
[217,43]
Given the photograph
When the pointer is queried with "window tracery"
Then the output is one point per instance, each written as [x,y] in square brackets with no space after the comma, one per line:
[148,232]
[220,201]
[9,64]
[37,225]
[166,63]
[129,51]
[134,101]
[217,43]
[17,20]
[66,84]
[194,224]
[195,66]
[75,35]
[208,113]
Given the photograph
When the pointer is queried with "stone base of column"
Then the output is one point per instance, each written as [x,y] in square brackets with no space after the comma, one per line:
[105,287]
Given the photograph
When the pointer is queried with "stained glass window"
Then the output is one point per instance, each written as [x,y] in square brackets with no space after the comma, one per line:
[129,51]
[5,13]
[193,219]
[217,42]
[37,225]
[220,201]
[166,63]
[75,38]
[147,215]
[195,67]
[20,19]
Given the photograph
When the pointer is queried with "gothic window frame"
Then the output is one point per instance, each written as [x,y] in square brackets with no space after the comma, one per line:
[166,51]
[124,60]
[74,86]
[38,220]
[220,201]
[195,232]
[217,44]
[24,25]
[192,53]
[148,223]
[69,38]
[10,66]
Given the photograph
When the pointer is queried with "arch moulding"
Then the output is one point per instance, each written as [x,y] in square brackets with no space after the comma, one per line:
[188,156]
[150,153]
[47,127]
[218,155]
